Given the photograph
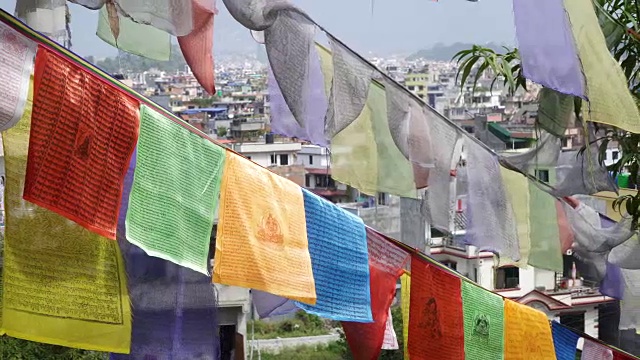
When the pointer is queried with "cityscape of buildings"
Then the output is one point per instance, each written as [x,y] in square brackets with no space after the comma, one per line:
[238,116]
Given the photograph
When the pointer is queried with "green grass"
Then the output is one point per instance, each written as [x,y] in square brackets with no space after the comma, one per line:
[331,351]
[302,325]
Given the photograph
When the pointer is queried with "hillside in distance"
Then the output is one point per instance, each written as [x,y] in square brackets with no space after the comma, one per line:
[442,52]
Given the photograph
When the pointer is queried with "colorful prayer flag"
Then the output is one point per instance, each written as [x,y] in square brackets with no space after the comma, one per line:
[262,234]
[405,295]
[340,262]
[174,193]
[79,153]
[268,305]
[565,342]
[365,156]
[197,46]
[16,57]
[436,329]
[62,284]
[547,46]
[527,333]
[135,38]
[483,323]
[592,350]
[386,262]
[514,183]
[610,101]
[546,250]
[390,339]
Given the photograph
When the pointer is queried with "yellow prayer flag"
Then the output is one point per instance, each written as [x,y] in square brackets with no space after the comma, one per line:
[516,187]
[527,333]
[364,155]
[405,296]
[610,101]
[62,284]
[262,241]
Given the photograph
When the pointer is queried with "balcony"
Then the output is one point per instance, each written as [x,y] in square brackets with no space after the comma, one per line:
[248,125]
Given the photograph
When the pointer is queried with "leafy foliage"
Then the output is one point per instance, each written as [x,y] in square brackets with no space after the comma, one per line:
[16,349]
[302,324]
[619,20]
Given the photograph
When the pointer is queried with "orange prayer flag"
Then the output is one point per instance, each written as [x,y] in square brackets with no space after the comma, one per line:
[83,133]
[262,233]
[436,327]
[527,333]
[386,262]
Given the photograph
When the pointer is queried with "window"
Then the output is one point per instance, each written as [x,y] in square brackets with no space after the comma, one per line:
[284,159]
[451,265]
[542,175]
[507,278]
[310,159]
[615,154]
[411,88]
[383,199]
[307,180]
[273,159]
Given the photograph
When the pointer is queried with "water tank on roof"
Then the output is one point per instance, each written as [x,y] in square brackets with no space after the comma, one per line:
[269,138]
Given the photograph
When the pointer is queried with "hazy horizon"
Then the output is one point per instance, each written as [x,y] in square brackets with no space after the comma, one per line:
[389,29]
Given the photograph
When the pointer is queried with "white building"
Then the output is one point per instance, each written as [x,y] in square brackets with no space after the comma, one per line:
[269,154]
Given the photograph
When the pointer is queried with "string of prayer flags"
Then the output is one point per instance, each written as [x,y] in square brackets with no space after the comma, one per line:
[365,156]
[483,323]
[405,301]
[610,101]
[547,48]
[135,38]
[197,46]
[268,305]
[436,326]
[78,155]
[349,90]
[262,234]
[386,263]
[282,120]
[493,224]
[340,262]
[514,183]
[527,334]
[545,234]
[174,308]
[174,193]
[592,350]
[565,342]
[390,341]
[63,284]
[16,57]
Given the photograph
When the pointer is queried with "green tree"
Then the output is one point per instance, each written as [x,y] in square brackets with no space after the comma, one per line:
[619,21]
[222,131]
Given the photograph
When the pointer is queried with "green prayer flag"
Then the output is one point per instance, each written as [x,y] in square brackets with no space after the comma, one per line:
[483,313]
[555,111]
[175,192]
[139,39]
[546,252]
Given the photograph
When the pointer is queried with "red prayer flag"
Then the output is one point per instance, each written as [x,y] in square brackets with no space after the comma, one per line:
[436,329]
[386,263]
[83,133]
[197,47]
[622,356]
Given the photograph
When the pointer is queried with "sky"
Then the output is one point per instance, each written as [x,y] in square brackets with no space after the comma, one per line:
[393,27]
